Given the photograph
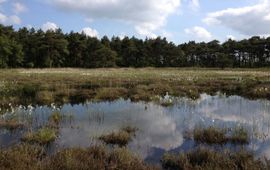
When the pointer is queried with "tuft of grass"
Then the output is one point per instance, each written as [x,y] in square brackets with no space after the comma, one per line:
[130,129]
[22,157]
[25,156]
[45,97]
[43,136]
[166,103]
[122,158]
[210,135]
[214,135]
[121,138]
[209,159]
[77,158]
[10,124]
[96,158]
[239,135]
[55,118]
[111,94]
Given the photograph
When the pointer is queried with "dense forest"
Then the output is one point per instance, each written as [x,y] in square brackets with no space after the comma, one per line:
[32,48]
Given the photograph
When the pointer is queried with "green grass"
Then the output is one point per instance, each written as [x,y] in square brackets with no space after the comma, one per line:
[44,86]
[43,136]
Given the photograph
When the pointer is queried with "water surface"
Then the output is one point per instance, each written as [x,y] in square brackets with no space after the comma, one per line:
[161,129]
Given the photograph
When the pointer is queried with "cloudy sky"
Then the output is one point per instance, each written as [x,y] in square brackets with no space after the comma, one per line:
[178,20]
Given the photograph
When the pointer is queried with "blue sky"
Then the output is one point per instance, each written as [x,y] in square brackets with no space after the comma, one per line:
[178,20]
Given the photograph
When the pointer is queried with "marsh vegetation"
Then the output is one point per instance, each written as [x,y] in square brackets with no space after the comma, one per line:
[215,135]
[134,119]
[46,86]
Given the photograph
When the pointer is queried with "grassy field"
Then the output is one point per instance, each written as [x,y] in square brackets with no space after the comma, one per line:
[45,86]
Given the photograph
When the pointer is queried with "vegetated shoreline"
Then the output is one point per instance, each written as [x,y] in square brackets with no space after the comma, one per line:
[60,86]
[31,155]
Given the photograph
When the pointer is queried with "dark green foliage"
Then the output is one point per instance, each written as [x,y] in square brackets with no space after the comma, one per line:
[37,49]
[104,57]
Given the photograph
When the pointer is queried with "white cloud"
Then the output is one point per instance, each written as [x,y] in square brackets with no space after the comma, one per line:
[230,37]
[90,32]
[146,29]
[14,19]
[122,35]
[19,8]
[2,1]
[194,4]
[248,20]
[49,26]
[29,26]
[147,16]
[89,20]
[9,20]
[3,18]
[167,34]
[199,33]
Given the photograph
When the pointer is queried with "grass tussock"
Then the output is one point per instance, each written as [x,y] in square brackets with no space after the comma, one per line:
[214,135]
[130,129]
[21,157]
[25,157]
[209,159]
[120,138]
[239,135]
[43,136]
[11,124]
[111,94]
[211,135]
[45,97]
[55,118]
[96,158]
[166,103]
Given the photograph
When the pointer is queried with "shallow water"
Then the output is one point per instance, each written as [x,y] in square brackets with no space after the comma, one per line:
[161,129]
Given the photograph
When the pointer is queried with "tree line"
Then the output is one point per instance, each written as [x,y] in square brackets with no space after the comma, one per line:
[32,48]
